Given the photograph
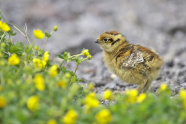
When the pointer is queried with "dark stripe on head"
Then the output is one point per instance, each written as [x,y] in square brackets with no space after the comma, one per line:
[112,32]
[113,42]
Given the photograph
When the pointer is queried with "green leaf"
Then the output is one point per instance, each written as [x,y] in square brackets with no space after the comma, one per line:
[18,48]
[47,34]
[60,56]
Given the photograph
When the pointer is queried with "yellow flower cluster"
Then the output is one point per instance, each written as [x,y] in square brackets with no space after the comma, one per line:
[38,63]
[132,96]
[39,82]
[104,117]
[70,117]
[53,71]
[182,95]
[108,95]
[13,59]
[2,102]
[41,64]
[33,103]
[39,34]
[85,52]
[91,101]
[4,27]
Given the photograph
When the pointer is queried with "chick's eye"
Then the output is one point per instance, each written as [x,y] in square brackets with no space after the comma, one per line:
[105,40]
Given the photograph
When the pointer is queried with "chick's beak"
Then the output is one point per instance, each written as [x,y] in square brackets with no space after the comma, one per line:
[97,41]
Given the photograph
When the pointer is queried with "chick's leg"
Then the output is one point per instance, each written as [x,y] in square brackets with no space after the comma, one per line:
[142,88]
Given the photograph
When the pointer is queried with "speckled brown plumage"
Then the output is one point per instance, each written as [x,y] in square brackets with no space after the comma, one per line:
[134,64]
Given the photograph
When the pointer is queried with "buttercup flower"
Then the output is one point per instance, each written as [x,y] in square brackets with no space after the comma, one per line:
[39,34]
[141,98]
[163,87]
[108,95]
[2,102]
[52,121]
[184,104]
[131,95]
[39,82]
[46,56]
[13,60]
[89,57]
[182,94]
[104,117]
[85,52]
[91,101]
[37,63]
[4,26]
[33,103]
[53,71]
[70,117]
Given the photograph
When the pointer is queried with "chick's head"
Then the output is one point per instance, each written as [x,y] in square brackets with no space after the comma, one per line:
[109,41]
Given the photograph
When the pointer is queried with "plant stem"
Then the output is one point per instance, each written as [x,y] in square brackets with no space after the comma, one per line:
[2,36]
[76,69]
[45,43]
[61,63]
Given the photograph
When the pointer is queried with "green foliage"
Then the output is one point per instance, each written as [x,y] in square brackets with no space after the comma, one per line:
[34,90]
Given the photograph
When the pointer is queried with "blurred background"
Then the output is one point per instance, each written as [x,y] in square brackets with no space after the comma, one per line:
[156,24]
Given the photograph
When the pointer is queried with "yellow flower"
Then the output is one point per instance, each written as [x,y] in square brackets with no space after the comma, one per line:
[182,94]
[163,87]
[184,104]
[131,95]
[85,52]
[37,63]
[70,117]
[108,95]
[104,117]
[33,103]
[39,82]
[52,121]
[36,48]
[4,26]
[14,60]
[55,28]
[141,98]
[53,71]
[39,34]
[89,57]
[91,101]
[46,56]
[61,83]
[2,102]
[43,63]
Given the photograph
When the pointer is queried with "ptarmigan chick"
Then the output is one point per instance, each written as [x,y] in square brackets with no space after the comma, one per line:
[133,64]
